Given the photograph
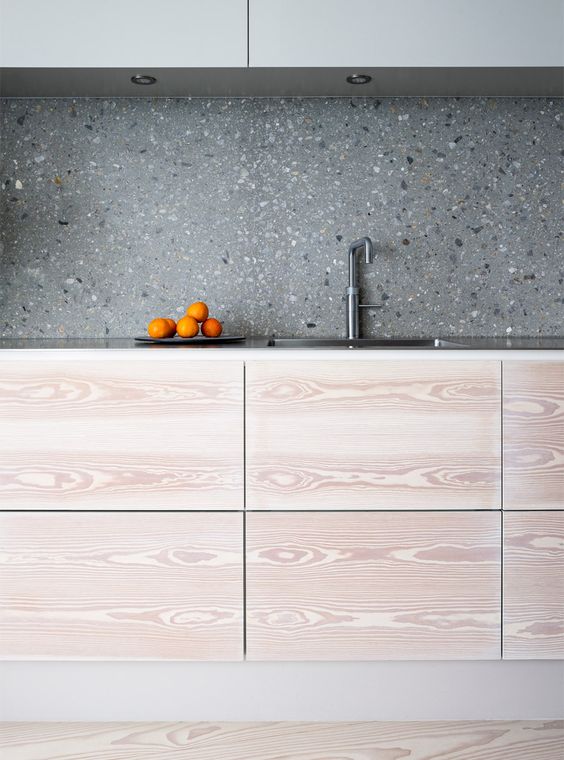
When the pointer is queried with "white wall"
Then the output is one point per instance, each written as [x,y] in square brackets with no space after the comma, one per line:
[110,691]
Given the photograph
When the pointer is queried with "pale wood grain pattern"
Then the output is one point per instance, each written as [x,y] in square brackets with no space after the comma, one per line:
[533,579]
[112,434]
[379,585]
[444,740]
[533,423]
[368,435]
[136,585]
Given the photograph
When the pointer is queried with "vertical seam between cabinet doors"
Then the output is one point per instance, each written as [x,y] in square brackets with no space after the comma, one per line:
[501,589]
[245,508]
[244,586]
[244,435]
[502,505]
[501,442]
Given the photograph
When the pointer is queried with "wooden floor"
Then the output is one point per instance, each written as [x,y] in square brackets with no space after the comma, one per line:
[456,740]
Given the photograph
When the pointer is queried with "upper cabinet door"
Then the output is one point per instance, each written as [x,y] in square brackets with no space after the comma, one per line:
[373,435]
[126,33]
[375,33]
[533,427]
[107,433]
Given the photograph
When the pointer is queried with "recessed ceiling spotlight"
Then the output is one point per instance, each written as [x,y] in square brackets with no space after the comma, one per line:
[143,79]
[359,79]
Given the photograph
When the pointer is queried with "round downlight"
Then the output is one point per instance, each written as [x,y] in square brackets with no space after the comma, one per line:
[144,79]
[359,79]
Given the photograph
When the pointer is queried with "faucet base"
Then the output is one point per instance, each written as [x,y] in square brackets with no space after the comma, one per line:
[353,320]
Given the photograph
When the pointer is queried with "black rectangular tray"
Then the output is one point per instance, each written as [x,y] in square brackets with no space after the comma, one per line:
[198,340]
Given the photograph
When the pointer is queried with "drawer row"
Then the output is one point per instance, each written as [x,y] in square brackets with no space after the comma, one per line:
[282,585]
[161,434]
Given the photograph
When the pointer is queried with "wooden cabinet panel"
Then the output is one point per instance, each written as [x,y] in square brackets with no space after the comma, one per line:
[341,740]
[368,435]
[104,586]
[373,585]
[533,425]
[533,580]
[114,434]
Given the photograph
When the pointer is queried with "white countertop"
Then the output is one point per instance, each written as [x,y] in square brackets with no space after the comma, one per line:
[257,349]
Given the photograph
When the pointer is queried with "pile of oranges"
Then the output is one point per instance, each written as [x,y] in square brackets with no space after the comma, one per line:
[196,318]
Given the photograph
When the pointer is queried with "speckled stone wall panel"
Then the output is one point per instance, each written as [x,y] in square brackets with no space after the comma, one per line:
[113,212]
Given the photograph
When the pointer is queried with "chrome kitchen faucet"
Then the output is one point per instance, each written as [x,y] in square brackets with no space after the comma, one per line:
[353,298]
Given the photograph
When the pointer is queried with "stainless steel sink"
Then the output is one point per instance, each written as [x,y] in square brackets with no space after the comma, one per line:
[363,343]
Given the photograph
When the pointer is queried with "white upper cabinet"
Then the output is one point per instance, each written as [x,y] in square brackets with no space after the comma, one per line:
[123,33]
[406,33]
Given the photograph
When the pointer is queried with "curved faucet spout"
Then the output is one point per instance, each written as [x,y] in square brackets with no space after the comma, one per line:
[365,243]
[353,321]
[354,248]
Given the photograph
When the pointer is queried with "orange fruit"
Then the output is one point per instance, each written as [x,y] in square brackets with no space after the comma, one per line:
[187,327]
[172,324]
[160,328]
[198,310]
[212,328]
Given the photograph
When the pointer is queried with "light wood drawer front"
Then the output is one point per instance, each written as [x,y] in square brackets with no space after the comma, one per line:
[113,434]
[533,425]
[369,586]
[137,585]
[533,579]
[368,435]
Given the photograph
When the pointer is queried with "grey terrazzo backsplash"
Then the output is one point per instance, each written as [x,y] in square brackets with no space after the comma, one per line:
[115,211]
